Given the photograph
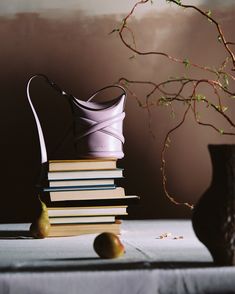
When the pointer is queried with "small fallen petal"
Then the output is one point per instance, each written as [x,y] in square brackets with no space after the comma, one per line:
[168,234]
[164,235]
[178,237]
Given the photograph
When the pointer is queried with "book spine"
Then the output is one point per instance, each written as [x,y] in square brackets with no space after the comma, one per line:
[82,220]
[91,202]
[87,194]
[84,182]
[87,174]
[90,164]
[79,188]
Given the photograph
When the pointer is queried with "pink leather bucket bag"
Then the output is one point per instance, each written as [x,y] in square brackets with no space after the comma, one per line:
[98,126]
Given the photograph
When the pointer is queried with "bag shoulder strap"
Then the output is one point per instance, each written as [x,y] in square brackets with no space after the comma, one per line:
[38,124]
[107,87]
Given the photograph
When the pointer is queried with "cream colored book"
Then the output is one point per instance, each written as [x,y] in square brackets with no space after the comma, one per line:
[82,164]
[87,194]
[80,183]
[66,230]
[87,211]
[82,219]
[85,174]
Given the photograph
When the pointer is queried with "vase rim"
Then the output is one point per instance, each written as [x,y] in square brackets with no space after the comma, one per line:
[221,146]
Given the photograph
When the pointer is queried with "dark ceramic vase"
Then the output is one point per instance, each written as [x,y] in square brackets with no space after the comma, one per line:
[214,214]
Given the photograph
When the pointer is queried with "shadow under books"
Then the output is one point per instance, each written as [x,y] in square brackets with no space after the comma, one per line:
[16,234]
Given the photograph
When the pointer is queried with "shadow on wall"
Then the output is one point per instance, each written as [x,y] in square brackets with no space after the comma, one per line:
[80,56]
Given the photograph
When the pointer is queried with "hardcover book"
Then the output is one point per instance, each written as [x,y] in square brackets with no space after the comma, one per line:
[85,174]
[82,164]
[80,229]
[87,211]
[79,188]
[84,182]
[82,219]
[87,194]
[117,201]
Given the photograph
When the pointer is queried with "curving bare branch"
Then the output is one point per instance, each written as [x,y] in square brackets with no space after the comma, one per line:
[220,85]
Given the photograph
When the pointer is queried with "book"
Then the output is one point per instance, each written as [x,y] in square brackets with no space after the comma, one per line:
[85,174]
[66,230]
[87,211]
[82,219]
[126,200]
[84,182]
[86,194]
[78,188]
[82,164]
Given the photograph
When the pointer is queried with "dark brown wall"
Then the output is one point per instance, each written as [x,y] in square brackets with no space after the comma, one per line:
[79,54]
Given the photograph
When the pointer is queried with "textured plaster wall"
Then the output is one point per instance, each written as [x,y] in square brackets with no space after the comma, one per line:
[72,46]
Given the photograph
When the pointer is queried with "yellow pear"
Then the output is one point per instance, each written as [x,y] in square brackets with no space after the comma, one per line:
[108,245]
[40,228]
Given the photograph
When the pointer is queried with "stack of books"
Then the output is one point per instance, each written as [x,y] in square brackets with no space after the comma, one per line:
[82,197]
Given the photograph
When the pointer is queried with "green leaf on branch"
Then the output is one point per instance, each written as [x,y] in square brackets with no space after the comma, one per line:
[200,97]
[208,13]
[219,39]
[163,101]
[221,108]
[186,63]
[178,2]
[225,81]
[221,131]
[168,142]
[224,108]
[114,31]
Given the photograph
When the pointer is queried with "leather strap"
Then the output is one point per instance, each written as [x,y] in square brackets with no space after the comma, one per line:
[38,124]
[39,128]
[107,87]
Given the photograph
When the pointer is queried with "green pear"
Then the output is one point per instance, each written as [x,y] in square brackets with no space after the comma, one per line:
[40,228]
[108,245]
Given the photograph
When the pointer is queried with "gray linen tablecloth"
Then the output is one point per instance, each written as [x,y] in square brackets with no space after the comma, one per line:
[150,265]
